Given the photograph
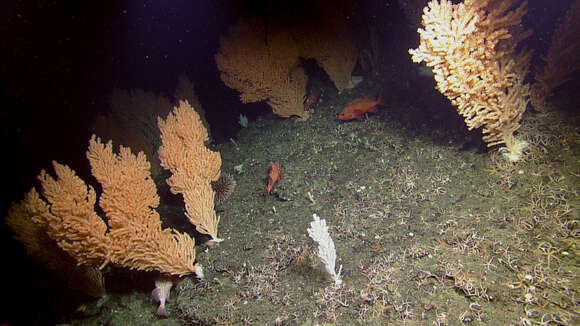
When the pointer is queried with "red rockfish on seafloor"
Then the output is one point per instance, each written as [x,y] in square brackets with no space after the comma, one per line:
[357,108]
[274,176]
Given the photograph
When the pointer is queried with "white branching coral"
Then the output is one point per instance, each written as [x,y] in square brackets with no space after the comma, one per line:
[318,231]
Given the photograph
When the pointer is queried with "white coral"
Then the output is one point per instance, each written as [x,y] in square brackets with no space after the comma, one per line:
[318,231]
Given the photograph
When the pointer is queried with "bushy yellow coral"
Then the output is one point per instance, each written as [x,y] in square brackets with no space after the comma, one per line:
[471,50]
[193,166]
[63,213]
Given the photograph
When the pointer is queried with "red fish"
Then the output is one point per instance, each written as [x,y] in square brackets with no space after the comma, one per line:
[357,108]
[274,176]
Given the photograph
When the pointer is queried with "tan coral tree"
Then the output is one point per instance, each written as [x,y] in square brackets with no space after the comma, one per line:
[330,38]
[193,166]
[64,211]
[263,65]
[471,48]
[562,59]
[129,199]
[26,218]
[68,216]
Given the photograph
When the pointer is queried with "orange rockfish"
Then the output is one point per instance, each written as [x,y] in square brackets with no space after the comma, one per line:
[357,108]
[274,176]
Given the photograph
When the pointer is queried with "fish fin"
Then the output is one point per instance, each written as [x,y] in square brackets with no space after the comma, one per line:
[161,311]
